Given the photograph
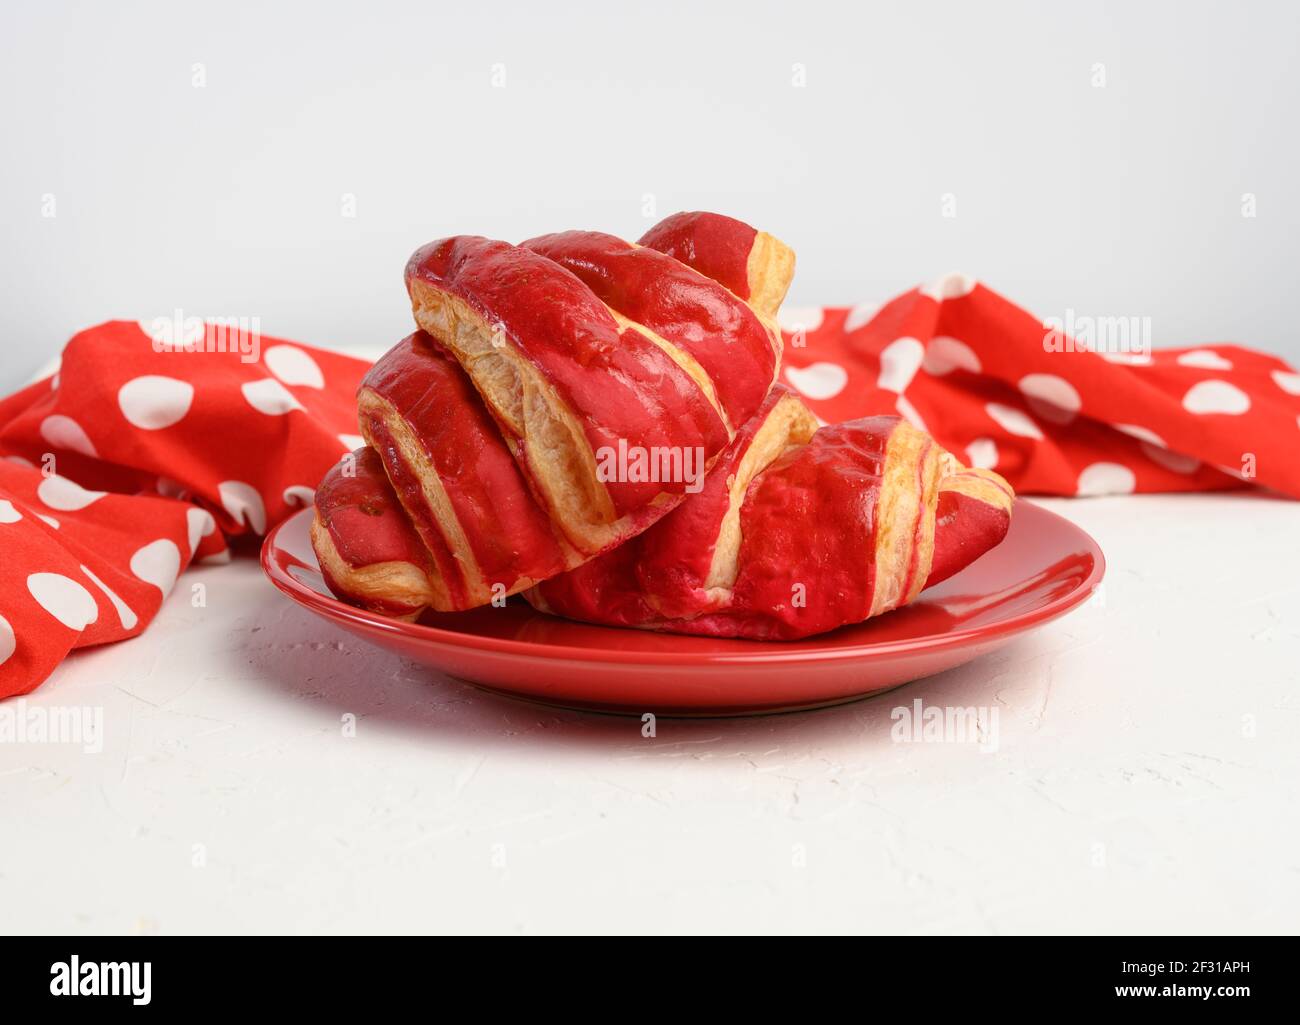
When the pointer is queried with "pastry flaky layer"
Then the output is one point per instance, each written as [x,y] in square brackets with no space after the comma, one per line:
[500,431]
[596,424]
[797,531]
[582,344]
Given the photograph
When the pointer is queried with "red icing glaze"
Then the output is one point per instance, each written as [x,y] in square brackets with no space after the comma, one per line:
[681,305]
[809,519]
[965,528]
[620,385]
[603,590]
[716,246]
[363,517]
[677,556]
[367,525]
[509,533]
[661,574]
[809,531]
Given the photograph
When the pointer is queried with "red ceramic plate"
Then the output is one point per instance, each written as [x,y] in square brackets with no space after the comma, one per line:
[1045,567]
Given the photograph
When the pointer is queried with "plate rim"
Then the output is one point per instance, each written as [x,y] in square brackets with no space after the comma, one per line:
[763,652]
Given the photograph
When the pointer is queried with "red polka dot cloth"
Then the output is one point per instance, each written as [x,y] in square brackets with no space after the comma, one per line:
[1091,412]
[145,452]
[155,444]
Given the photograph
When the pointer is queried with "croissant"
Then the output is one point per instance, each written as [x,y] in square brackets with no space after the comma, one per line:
[498,428]
[491,432]
[797,531]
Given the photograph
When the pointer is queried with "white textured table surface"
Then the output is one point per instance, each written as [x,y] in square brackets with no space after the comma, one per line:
[1146,777]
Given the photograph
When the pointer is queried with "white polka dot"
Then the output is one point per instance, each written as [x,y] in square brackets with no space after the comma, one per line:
[8,514]
[352,442]
[169,488]
[1106,479]
[1127,359]
[216,558]
[950,286]
[8,643]
[64,599]
[1288,382]
[1175,462]
[860,316]
[299,495]
[1155,449]
[157,563]
[243,503]
[65,495]
[1215,396]
[125,616]
[293,366]
[1205,359]
[819,380]
[200,524]
[1141,433]
[1052,398]
[1013,421]
[909,413]
[269,396]
[799,318]
[153,402]
[49,521]
[64,432]
[944,355]
[982,453]
[19,461]
[899,362]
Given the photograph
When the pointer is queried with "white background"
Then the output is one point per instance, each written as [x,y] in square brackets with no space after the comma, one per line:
[226,200]
[1146,778]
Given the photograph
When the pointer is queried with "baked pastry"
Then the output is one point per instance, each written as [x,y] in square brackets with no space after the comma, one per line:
[797,531]
[752,264]
[490,432]
[369,553]
[502,428]
[635,349]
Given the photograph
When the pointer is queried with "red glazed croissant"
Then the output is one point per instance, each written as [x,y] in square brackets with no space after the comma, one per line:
[495,427]
[797,531]
[369,553]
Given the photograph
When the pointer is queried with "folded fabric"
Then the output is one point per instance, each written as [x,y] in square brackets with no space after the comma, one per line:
[145,452]
[1054,413]
[156,443]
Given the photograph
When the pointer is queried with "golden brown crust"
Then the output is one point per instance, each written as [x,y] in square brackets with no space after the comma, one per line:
[789,423]
[770,271]
[382,584]
[982,485]
[413,456]
[905,517]
[542,432]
